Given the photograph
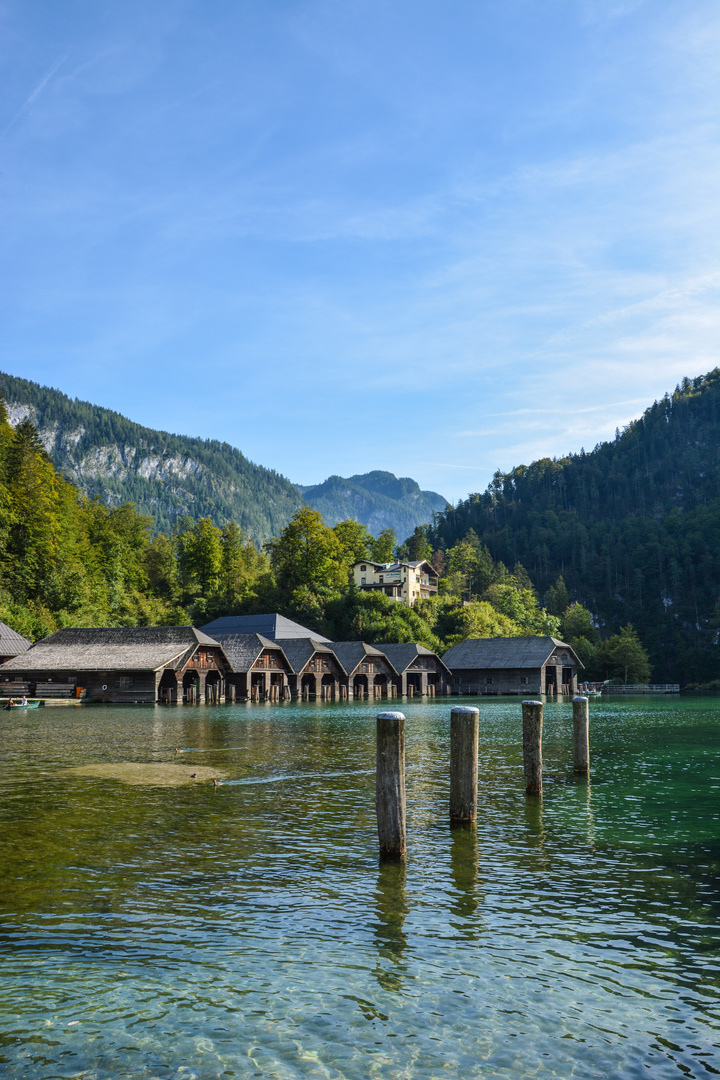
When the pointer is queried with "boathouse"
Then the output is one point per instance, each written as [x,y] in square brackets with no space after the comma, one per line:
[516,665]
[259,668]
[317,673]
[125,664]
[368,672]
[271,626]
[11,643]
[420,671]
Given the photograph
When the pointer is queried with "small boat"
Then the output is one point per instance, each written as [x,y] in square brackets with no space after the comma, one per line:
[19,705]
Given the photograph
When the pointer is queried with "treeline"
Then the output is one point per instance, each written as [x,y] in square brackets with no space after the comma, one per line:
[632,527]
[68,560]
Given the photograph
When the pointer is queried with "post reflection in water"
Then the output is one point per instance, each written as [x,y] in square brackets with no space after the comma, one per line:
[535,831]
[464,867]
[590,814]
[391,908]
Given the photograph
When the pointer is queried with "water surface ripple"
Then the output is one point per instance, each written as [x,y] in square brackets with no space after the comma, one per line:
[182,930]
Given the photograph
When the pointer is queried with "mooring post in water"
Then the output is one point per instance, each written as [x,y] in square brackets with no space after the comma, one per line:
[581,735]
[390,782]
[464,725]
[532,714]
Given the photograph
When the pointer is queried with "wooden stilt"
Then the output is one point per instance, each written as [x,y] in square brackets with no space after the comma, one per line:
[532,714]
[581,735]
[464,725]
[390,783]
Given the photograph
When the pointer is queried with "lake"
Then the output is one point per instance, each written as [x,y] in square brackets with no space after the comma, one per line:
[155,925]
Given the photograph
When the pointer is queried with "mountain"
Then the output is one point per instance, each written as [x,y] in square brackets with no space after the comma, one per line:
[378,499]
[169,476]
[633,527]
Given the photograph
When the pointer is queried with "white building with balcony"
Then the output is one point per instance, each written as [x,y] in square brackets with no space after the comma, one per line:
[403,581]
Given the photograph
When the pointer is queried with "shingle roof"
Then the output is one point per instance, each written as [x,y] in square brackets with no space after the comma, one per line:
[402,655]
[242,650]
[352,653]
[512,652]
[125,648]
[12,643]
[272,626]
[300,650]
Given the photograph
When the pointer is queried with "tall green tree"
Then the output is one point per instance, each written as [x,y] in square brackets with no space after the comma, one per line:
[624,658]
[382,548]
[307,555]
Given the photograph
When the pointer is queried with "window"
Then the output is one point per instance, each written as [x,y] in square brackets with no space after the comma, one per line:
[363,568]
[125,682]
[363,581]
[523,680]
[488,682]
[380,579]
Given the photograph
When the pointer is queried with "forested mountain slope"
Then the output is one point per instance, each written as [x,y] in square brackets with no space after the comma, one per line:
[633,527]
[379,500]
[172,476]
[169,476]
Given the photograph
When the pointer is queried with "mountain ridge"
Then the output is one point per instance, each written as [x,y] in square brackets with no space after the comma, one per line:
[170,476]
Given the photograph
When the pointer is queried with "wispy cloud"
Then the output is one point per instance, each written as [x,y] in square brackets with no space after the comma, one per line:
[36,92]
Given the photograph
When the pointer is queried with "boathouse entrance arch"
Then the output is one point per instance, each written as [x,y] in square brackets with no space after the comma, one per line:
[168,687]
[190,687]
[308,686]
[360,686]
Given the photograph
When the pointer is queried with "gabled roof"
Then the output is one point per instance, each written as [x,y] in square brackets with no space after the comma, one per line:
[411,565]
[272,626]
[300,650]
[242,650]
[402,655]
[124,648]
[12,643]
[509,652]
[352,653]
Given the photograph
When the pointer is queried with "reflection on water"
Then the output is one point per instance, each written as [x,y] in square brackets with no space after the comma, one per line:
[391,908]
[464,867]
[163,930]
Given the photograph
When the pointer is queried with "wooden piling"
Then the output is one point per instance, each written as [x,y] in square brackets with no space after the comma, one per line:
[581,735]
[390,782]
[464,724]
[532,714]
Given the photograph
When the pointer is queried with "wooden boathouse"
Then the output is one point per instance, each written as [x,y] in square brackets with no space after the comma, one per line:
[516,665]
[368,672]
[11,643]
[124,664]
[272,626]
[259,668]
[317,672]
[420,672]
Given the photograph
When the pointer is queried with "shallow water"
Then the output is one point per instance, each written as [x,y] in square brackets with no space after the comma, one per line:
[154,928]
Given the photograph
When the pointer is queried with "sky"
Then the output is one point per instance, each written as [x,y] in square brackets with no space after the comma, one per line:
[435,238]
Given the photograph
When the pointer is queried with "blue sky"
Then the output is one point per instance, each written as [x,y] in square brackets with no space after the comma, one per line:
[439,239]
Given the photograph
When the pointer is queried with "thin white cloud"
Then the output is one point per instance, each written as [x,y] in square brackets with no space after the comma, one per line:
[36,92]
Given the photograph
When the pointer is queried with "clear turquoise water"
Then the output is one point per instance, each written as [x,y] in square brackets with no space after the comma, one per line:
[250,931]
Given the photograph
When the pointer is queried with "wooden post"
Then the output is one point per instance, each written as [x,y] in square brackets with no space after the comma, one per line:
[390,782]
[581,735]
[464,723]
[532,714]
